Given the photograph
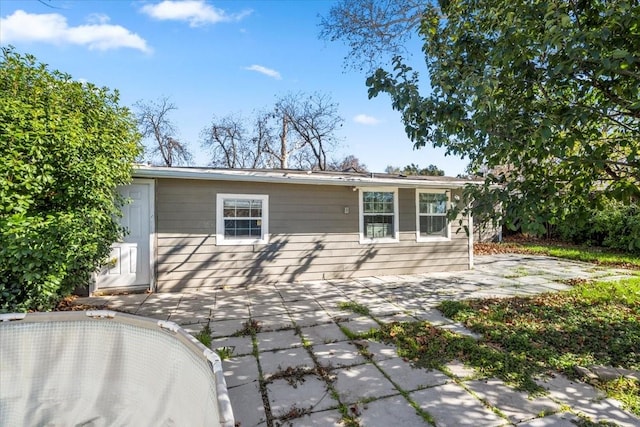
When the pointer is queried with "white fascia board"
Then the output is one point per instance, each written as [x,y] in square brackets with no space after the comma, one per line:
[293,178]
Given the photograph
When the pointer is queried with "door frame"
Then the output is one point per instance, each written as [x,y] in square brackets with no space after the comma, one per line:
[93,286]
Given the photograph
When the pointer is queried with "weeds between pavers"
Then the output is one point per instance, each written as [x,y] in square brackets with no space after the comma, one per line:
[204,336]
[225,353]
[356,339]
[249,328]
[354,307]
[325,374]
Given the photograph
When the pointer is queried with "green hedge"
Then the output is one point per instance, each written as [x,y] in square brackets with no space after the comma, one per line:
[612,225]
[65,147]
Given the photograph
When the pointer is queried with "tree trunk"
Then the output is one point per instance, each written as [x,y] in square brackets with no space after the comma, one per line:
[283,144]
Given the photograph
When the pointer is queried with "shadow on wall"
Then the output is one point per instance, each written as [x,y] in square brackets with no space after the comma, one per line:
[273,255]
[269,263]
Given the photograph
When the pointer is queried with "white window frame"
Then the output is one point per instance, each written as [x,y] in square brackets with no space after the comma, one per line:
[419,237]
[396,216]
[220,237]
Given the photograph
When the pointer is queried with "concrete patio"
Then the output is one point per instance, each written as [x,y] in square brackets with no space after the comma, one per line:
[297,365]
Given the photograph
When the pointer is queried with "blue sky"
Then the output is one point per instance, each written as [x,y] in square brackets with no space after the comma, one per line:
[214,58]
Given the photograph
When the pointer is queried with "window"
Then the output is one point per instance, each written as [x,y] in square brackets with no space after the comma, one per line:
[378,216]
[432,222]
[241,219]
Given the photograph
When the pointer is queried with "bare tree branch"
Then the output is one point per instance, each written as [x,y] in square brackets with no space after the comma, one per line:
[230,146]
[154,124]
[374,30]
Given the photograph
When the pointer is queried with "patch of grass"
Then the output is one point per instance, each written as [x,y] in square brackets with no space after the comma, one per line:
[204,336]
[354,307]
[430,347]
[626,390]
[518,272]
[589,254]
[591,324]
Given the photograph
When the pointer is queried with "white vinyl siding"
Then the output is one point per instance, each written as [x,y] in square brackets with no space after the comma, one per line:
[242,219]
[432,223]
[378,215]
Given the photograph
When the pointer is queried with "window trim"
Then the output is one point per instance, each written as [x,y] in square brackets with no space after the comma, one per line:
[419,237]
[221,239]
[396,215]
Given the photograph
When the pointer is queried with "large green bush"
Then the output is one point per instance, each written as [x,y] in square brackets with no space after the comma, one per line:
[64,148]
[611,224]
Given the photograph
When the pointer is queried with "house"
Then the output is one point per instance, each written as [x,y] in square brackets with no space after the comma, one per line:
[206,228]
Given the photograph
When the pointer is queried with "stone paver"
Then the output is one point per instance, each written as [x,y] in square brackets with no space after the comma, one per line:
[323,334]
[432,316]
[459,370]
[271,309]
[240,370]
[302,306]
[515,405]
[362,382]
[225,328]
[237,346]
[360,325]
[338,354]
[389,411]
[331,418]
[378,351]
[248,409]
[231,311]
[273,362]
[366,384]
[562,419]
[308,394]
[408,378]
[451,406]
[276,340]
[274,322]
[585,400]
[311,318]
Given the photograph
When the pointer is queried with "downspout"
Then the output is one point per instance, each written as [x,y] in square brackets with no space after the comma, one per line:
[470,236]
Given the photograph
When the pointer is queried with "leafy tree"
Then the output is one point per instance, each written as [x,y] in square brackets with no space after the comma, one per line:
[65,147]
[546,93]
[155,125]
[414,169]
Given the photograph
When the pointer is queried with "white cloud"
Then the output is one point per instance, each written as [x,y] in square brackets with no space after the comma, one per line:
[53,28]
[264,70]
[195,12]
[364,119]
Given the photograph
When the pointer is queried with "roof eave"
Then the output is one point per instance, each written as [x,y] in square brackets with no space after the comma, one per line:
[284,178]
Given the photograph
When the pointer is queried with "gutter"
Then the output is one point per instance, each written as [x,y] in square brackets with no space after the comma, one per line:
[291,178]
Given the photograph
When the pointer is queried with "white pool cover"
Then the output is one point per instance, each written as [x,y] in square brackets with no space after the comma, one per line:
[102,368]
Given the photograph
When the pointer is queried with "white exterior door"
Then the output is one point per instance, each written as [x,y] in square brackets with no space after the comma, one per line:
[130,261]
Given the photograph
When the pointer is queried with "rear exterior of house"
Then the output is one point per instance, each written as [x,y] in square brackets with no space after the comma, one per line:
[210,228]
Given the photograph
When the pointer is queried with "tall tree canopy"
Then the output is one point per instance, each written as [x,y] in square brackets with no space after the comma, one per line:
[544,93]
[65,147]
[298,131]
[374,30]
